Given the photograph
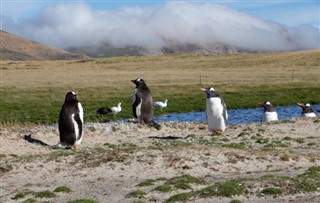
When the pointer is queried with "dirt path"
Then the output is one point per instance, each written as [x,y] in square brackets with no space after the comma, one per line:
[115,157]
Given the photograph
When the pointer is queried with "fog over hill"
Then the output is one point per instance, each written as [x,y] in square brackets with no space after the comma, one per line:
[173,27]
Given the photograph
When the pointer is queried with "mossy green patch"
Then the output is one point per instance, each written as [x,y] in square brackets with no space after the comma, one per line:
[163,188]
[136,193]
[147,182]
[44,194]
[271,191]
[225,189]
[63,189]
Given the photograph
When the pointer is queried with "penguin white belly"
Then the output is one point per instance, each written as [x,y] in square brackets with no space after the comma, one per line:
[76,130]
[309,115]
[269,116]
[214,111]
[138,110]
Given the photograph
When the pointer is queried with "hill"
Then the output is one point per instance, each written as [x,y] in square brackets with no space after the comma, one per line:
[106,50]
[16,48]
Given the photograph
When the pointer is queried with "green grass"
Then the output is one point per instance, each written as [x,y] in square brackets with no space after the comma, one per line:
[147,182]
[43,106]
[136,193]
[163,188]
[271,185]
[271,191]
[63,189]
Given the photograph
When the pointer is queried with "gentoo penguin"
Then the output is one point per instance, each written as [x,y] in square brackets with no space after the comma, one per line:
[142,103]
[161,104]
[307,110]
[269,113]
[216,111]
[71,121]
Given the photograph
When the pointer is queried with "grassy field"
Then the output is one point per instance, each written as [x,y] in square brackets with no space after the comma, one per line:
[34,91]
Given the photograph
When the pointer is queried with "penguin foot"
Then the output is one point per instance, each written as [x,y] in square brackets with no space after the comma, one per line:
[218,132]
[154,124]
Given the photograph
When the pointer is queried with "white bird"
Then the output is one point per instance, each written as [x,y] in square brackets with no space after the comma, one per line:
[269,114]
[161,104]
[116,109]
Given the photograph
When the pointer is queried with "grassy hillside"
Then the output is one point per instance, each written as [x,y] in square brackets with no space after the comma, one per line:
[16,48]
[34,91]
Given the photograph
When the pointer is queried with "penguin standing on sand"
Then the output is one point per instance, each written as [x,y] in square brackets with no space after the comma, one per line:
[269,114]
[142,103]
[307,110]
[71,121]
[216,111]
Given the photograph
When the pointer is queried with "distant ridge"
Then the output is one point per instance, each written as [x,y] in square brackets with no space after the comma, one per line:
[105,50]
[16,48]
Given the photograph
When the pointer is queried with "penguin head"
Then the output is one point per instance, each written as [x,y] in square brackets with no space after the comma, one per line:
[138,82]
[304,106]
[71,96]
[267,106]
[210,91]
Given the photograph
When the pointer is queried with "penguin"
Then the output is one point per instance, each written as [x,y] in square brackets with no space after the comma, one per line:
[216,111]
[307,110]
[269,114]
[71,121]
[142,103]
[161,104]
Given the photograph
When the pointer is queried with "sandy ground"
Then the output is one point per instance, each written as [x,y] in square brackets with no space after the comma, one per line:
[115,157]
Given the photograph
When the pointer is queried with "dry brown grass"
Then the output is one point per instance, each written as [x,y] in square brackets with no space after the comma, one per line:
[229,72]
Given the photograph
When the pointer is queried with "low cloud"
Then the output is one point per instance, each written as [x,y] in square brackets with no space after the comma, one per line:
[75,25]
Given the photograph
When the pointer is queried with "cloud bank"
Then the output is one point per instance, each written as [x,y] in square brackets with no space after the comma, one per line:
[75,25]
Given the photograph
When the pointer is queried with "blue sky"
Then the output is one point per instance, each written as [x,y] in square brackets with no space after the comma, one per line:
[260,25]
[290,12]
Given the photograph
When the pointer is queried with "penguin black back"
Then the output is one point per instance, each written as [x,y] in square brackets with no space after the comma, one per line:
[142,104]
[71,121]
[143,101]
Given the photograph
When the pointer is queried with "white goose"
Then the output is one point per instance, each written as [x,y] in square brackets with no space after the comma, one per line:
[116,109]
[161,104]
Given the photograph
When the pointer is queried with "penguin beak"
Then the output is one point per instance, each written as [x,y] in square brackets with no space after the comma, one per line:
[133,81]
[300,104]
[203,89]
[260,103]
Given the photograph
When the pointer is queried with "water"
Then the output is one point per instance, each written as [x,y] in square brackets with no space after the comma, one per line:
[237,116]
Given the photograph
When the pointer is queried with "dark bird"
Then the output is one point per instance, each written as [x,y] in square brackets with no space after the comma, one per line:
[110,111]
[307,110]
[216,111]
[142,103]
[71,122]
[104,111]
[270,113]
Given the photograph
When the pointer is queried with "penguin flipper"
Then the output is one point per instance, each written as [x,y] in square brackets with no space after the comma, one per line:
[77,118]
